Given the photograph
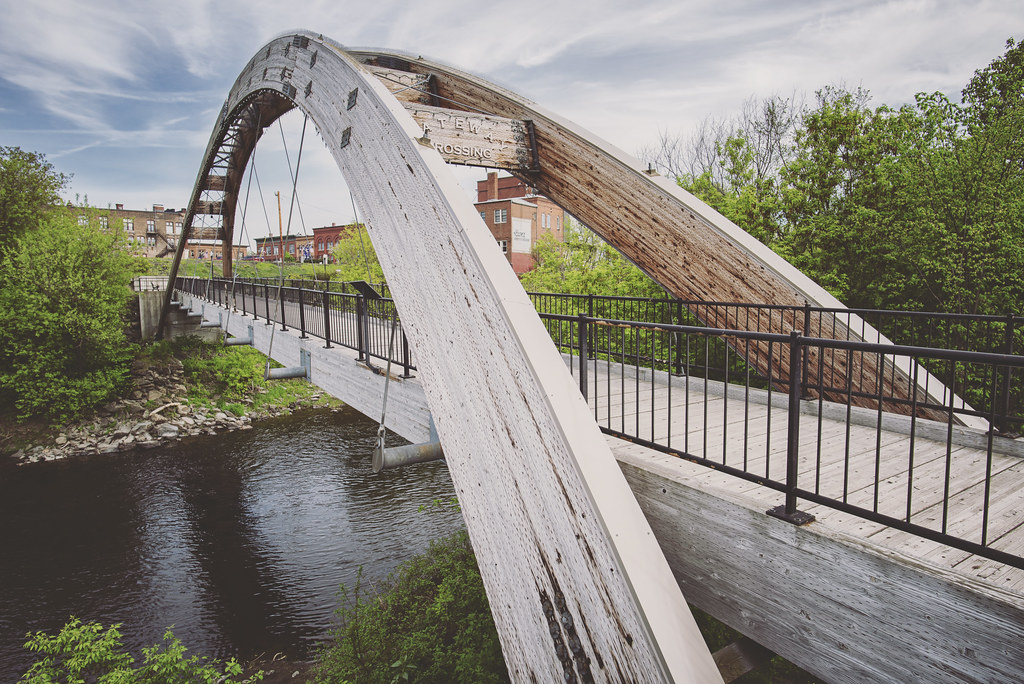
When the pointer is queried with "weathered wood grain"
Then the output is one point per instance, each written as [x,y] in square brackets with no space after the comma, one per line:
[579,588]
[472,139]
[682,243]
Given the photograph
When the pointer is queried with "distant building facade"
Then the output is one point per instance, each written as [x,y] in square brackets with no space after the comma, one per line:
[299,247]
[326,237]
[517,217]
[155,232]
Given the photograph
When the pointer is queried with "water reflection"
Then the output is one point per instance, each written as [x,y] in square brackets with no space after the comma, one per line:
[240,541]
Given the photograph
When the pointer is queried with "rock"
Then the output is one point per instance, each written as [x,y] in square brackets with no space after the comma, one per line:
[62,439]
[148,444]
[141,427]
[122,429]
[167,431]
[155,395]
[106,448]
[220,415]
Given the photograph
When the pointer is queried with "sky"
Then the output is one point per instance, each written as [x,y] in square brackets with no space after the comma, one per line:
[123,94]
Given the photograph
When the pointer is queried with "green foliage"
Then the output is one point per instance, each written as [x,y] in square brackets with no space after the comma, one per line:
[432,623]
[231,372]
[585,264]
[355,257]
[64,293]
[920,207]
[89,653]
[29,189]
[225,377]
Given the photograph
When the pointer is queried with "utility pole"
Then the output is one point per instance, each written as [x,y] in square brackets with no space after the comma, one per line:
[280,230]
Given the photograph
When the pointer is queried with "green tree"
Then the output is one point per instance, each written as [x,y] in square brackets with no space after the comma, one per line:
[585,264]
[355,258]
[29,188]
[88,652]
[64,292]
[430,623]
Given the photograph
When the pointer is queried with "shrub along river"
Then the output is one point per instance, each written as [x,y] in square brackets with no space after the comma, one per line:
[239,540]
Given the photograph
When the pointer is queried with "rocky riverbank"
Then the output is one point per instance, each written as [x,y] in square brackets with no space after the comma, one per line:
[157,411]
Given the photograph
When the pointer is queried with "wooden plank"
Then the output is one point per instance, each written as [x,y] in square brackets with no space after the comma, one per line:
[472,139]
[578,585]
[842,609]
[405,86]
[684,244]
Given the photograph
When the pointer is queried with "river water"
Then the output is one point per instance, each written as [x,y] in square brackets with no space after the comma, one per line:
[240,541]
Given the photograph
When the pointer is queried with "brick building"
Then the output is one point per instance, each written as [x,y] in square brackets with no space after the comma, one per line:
[325,237]
[155,232]
[517,216]
[298,246]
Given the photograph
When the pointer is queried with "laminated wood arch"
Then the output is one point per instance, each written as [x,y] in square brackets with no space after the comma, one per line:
[579,589]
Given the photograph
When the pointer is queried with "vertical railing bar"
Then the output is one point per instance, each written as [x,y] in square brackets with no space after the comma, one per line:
[584,351]
[949,450]
[988,459]
[880,380]
[793,427]
[913,436]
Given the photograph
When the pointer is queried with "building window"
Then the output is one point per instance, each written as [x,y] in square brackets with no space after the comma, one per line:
[320,246]
[501,215]
[177,227]
[83,220]
[129,225]
[150,226]
[483,215]
[291,248]
[103,222]
[504,246]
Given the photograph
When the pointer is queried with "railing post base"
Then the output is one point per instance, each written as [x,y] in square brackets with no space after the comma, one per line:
[796,517]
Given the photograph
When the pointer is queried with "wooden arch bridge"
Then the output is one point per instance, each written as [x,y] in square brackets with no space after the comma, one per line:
[578,580]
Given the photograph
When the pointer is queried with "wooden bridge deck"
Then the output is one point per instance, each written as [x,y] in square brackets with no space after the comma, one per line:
[846,598]
[747,430]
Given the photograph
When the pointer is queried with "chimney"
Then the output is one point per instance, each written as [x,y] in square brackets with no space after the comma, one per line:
[158,207]
[119,207]
[492,185]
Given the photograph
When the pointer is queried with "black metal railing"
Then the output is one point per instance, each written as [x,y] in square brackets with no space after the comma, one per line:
[345,319]
[777,408]
[967,332]
[931,478]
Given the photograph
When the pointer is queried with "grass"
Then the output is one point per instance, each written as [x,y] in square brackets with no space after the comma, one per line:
[230,379]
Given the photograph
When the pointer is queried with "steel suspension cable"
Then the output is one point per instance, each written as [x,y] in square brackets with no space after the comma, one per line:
[245,208]
[280,286]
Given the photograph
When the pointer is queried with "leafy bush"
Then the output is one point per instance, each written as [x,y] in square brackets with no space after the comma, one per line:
[64,293]
[87,652]
[432,623]
[231,371]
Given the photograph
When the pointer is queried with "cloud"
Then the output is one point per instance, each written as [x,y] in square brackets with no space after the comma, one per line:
[112,78]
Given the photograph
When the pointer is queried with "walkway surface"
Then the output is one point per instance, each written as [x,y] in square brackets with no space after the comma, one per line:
[838,459]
